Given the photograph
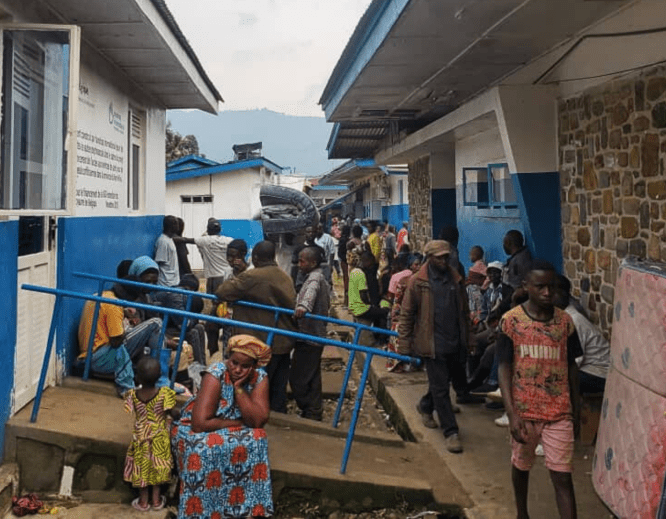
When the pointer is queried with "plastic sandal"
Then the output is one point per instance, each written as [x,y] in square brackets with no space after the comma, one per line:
[161,505]
[137,506]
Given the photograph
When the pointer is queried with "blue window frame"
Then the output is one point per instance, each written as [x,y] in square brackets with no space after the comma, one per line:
[489,187]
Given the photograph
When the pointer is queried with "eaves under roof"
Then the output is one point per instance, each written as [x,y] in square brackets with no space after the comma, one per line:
[223,168]
[351,171]
[333,187]
[143,40]
[411,62]
[166,15]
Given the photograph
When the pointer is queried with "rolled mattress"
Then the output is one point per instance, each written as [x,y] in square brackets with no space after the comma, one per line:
[629,460]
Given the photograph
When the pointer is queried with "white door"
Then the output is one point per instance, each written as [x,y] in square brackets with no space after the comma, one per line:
[196,210]
[34,310]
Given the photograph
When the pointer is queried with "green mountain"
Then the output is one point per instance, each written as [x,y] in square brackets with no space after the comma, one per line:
[289,141]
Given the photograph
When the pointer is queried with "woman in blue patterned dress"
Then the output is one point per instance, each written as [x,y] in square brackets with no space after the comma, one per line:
[219,443]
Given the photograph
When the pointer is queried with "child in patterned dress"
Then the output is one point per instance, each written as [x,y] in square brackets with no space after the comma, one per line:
[149,461]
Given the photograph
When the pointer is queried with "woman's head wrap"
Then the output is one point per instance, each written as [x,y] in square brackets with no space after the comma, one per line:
[141,264]
[252,347]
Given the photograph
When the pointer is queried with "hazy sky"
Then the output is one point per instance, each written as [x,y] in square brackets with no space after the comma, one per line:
[275,54]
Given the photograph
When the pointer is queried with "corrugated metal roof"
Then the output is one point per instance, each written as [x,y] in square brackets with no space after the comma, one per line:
[355,140]
[173,175]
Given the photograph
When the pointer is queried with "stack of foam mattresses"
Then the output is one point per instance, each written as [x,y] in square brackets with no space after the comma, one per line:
[629,461]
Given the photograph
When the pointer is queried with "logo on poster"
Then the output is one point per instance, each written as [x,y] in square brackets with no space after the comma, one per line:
[116,120]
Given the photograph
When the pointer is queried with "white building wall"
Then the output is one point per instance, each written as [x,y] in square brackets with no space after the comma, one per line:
[478,151]
[105,98]
[155,186]
[235,194]
[394,184]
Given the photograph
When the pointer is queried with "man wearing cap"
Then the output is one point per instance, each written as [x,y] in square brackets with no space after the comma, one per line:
[213,249]
[497,298]
[434,325]
[495,303]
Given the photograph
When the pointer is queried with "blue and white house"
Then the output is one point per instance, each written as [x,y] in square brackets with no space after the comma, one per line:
[466,94]
[86,85]
[199,188]
[375,192]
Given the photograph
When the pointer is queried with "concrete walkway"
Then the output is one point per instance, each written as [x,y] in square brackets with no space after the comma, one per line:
[484,468]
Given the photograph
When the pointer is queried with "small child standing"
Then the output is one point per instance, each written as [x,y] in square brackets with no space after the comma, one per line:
[149,461]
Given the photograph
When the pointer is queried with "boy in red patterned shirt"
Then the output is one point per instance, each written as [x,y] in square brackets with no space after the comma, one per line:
[537,348]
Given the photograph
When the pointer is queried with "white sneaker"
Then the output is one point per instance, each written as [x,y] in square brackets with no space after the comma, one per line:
[502,421]
[539,450]
[495,396]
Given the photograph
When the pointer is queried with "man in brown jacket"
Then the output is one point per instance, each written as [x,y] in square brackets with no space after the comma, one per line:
[266,284]
[434,325]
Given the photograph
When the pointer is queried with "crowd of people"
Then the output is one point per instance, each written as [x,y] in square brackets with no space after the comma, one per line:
[505,334]
[509,335]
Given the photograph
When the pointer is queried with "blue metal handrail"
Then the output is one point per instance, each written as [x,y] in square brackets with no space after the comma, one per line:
[250,304]
[60,293]
[269,340]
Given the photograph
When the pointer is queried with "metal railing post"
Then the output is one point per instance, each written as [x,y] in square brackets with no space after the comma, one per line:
[272,331]
[357,408]
[271,335]
[93,332]
[47,359]
[160,339]
[179,349]
[345,381]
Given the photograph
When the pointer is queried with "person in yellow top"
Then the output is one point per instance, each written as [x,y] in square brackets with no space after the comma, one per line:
[113,348]
[375,240]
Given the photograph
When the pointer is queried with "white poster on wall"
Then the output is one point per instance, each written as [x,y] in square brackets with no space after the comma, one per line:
[101,144]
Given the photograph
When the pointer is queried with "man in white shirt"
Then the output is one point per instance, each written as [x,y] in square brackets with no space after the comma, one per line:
[593,365]
[166,256]
[213,249]
[326,242]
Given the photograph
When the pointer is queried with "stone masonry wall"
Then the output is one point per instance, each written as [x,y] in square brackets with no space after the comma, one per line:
[420,203]
[612,146]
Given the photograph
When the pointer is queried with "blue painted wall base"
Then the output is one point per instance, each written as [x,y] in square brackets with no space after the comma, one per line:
[443,209]
[540,212]
[95,245]
[8,293]
[395,215]
[537,217]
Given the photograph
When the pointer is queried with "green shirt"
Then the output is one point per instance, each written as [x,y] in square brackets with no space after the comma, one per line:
[357,283]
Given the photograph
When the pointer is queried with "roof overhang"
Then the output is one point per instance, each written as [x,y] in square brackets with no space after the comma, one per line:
[142,38]
[339,200]
[351,172]
[410,62]
[224,168]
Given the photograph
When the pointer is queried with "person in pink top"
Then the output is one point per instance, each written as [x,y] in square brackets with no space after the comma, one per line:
[403,237]
[335,229]
[402,271]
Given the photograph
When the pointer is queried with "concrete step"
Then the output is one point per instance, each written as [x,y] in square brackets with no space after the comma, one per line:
[89,432]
